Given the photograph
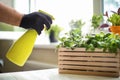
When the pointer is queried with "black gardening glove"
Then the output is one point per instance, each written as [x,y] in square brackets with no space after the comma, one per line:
[36,20]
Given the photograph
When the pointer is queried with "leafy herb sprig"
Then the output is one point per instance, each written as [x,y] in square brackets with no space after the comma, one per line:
[114,19]
[96,21]
[72,39]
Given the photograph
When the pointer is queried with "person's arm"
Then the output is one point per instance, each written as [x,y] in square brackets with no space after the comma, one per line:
[34,20]
[9,15]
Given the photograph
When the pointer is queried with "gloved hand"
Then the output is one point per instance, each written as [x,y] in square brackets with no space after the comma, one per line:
[36,20]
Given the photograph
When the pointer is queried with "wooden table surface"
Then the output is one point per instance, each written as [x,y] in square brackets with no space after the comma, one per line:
[48,74]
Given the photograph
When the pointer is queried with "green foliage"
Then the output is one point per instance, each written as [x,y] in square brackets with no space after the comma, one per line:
[114,19]
[72,40]
[107,42]
[96,20]
[74,37]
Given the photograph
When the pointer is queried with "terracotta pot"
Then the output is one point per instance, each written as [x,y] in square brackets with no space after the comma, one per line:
[115,29]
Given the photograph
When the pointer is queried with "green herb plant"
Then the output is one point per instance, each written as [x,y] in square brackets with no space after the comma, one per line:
[108,42]
[112,20]
[96,21]
[73,38]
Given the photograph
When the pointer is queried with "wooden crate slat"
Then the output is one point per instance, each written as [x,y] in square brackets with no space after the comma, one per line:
[88,58]
[88,63]
[76,49]
[87,54]
[105,69]
[78,61]
[89,73]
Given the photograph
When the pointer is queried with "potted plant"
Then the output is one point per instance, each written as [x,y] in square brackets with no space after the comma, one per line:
[113,22]
[96,54]
[93,55]
[54,32]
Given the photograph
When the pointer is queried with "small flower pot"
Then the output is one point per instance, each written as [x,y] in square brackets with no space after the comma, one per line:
[115,29]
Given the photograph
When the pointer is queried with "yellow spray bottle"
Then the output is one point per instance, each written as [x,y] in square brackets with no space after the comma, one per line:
[21,49]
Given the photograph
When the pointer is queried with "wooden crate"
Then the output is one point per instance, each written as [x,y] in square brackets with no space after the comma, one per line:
[97,63]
